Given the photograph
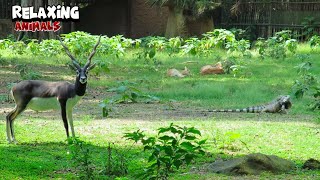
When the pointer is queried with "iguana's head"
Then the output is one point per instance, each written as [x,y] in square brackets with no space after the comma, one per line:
[285,100]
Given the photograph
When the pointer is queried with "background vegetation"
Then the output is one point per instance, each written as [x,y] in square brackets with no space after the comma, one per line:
[131,88]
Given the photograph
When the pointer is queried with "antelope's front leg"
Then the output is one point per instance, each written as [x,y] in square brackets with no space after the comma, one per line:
[70,119]
[63,104]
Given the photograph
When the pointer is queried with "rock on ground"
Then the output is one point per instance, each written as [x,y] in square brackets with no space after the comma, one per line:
[252,164]
[311,164]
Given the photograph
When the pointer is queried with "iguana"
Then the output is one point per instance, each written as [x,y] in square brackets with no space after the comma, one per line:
[279,105]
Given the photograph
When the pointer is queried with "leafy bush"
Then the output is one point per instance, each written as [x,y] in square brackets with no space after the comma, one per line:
[220,37]
[307,83]
[192,46]
[18,47]
[34,47]
[26,73]
[314,41]
[5,43]
[50,47]
[173,147]
[241,46]
[277,46]
[174,45]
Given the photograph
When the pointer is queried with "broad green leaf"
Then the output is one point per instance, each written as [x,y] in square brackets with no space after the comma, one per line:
[188,146]
[194,131]
[189,158]
[190,137]
[166,138]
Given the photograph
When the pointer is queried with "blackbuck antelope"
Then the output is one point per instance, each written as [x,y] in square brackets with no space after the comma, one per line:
[43,95]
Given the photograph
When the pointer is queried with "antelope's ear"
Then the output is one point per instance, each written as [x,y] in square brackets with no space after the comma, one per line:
[73,67]
[91,66]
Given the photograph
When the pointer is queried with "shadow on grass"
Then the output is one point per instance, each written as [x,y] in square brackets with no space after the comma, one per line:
[38,160]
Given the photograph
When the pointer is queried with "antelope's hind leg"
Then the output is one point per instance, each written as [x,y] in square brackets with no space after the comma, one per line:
[10,121]
[8,129]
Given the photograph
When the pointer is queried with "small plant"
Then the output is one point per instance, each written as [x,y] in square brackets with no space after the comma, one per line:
[228,141]
[308,83]
[126,92]
[81,157]
[173,147]
[314,41]
[238,70]
[116,164]
[26,73]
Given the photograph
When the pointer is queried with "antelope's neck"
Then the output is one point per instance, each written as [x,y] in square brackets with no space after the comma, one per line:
[80,88]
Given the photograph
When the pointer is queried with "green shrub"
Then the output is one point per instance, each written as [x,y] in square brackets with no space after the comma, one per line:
[26,73]
[314,41]
[173,147]
[277,46]
[308,83]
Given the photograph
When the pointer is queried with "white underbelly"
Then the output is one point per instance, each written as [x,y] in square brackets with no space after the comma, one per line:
[44,104]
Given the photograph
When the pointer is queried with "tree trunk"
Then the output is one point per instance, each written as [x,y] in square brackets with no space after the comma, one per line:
[41,34]
[52,35]
[21,34]
[175,23]
[206,25]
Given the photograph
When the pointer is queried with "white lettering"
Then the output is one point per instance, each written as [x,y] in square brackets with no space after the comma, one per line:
[75,12]
[33,14]
[58,11]
[65,12]
[16,12]
[42,13]
[26,13]
[51,12]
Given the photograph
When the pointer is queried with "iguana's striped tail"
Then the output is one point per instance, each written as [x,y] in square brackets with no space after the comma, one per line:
[254,109]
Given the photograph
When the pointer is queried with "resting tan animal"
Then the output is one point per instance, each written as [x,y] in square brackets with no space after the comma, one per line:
[279,105]
[176,73]
[209,69]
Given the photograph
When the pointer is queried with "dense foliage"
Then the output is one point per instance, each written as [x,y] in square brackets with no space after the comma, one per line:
[80,44]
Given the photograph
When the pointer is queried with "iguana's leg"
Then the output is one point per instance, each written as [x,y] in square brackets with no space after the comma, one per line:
[263,111]
[283,110]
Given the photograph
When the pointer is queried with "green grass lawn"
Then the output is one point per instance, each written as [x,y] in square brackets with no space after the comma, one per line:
[42,151]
